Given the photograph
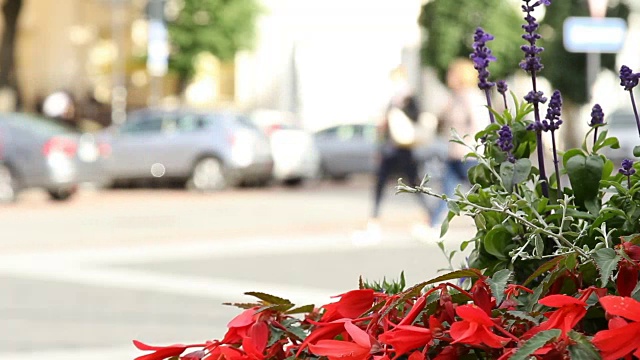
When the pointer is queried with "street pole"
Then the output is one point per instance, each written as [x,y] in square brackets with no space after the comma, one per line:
[119,89]
[157,50]
[597,10]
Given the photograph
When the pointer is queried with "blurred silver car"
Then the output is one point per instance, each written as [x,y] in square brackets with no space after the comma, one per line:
[622,124]
[349,149]
[206,150]
[40,153]
[295,154]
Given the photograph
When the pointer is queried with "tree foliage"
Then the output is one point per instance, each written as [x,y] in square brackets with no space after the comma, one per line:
[220,27]
[450,25]
[569,69]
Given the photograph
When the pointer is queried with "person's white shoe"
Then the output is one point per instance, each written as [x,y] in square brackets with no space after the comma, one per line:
[425,233]
[371,236]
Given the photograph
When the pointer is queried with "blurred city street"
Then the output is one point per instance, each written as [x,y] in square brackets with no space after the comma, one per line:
[81,279]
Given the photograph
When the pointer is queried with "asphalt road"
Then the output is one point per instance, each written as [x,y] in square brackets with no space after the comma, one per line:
[80,280]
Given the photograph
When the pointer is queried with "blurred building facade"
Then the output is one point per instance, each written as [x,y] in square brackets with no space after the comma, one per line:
[325,60]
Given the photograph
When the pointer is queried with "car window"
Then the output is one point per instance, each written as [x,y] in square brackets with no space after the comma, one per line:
[622,121]
[146,125]
[35,124]
[330,132]
[346,132]
[189,122]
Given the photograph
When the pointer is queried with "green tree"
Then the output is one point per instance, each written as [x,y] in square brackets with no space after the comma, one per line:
[449,26]
[8,75]
[220,27]
[568,73]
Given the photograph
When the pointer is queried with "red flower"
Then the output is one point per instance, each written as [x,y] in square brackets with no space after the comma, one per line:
[351,305]
[405,338]
[239,326]
[627,278]
[162,352]
[475,328]
[359,349]
[571,311]
[482,296]
[622,338]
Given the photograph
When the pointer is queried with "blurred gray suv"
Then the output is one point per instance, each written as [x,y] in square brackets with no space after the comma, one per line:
[40,153]
[205,150]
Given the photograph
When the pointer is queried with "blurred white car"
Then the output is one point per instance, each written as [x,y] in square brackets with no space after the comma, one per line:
[295,155]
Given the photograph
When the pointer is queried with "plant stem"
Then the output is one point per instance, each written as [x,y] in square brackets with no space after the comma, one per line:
[635,110]
[504,97]
[556,162]
[595,136]
[488,95]
[536,113]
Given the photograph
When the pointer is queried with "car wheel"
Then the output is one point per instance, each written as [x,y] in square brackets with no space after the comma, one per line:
[208,174]
[293,182]
[61,194]
[8,188]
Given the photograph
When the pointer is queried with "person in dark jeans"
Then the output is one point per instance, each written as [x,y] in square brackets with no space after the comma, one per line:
[394,159]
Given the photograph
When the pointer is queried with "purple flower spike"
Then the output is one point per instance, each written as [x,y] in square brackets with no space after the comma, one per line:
[481,57]
[535,97]
[505,142]
[627,78]
[627,170]
[630,80]
[597,118]
[533,65]
[597,115]
[502,87]
[553,122]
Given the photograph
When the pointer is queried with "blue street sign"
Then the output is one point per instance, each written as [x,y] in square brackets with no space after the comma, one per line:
[594,35]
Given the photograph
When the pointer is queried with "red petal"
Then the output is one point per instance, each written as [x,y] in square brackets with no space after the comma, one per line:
[619,342]
[244,319]
[162,354]
[465,332]
[473,313]
[259,334]
[627,279]
[416,355]
[339,349]
[560,301]
[490,339]
[621,306]
[355,303]
[406,338]
[414,312]
[358,335]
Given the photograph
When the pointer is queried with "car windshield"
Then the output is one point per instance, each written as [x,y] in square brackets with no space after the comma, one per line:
[620,121]
[36,124]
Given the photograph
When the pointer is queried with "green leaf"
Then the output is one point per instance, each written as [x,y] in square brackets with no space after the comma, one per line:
[275,307]
[497,240]
[302,309]
[535,343]
[582,348]
[453,207]
[585,173]
[269,299]
[470,273]
[611,142]
[498,282]
[539,245]
[444,227]
[636,151]
[514,173]
[522,315]
[570,154]
[606,260]
[544,268]
[481,222]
